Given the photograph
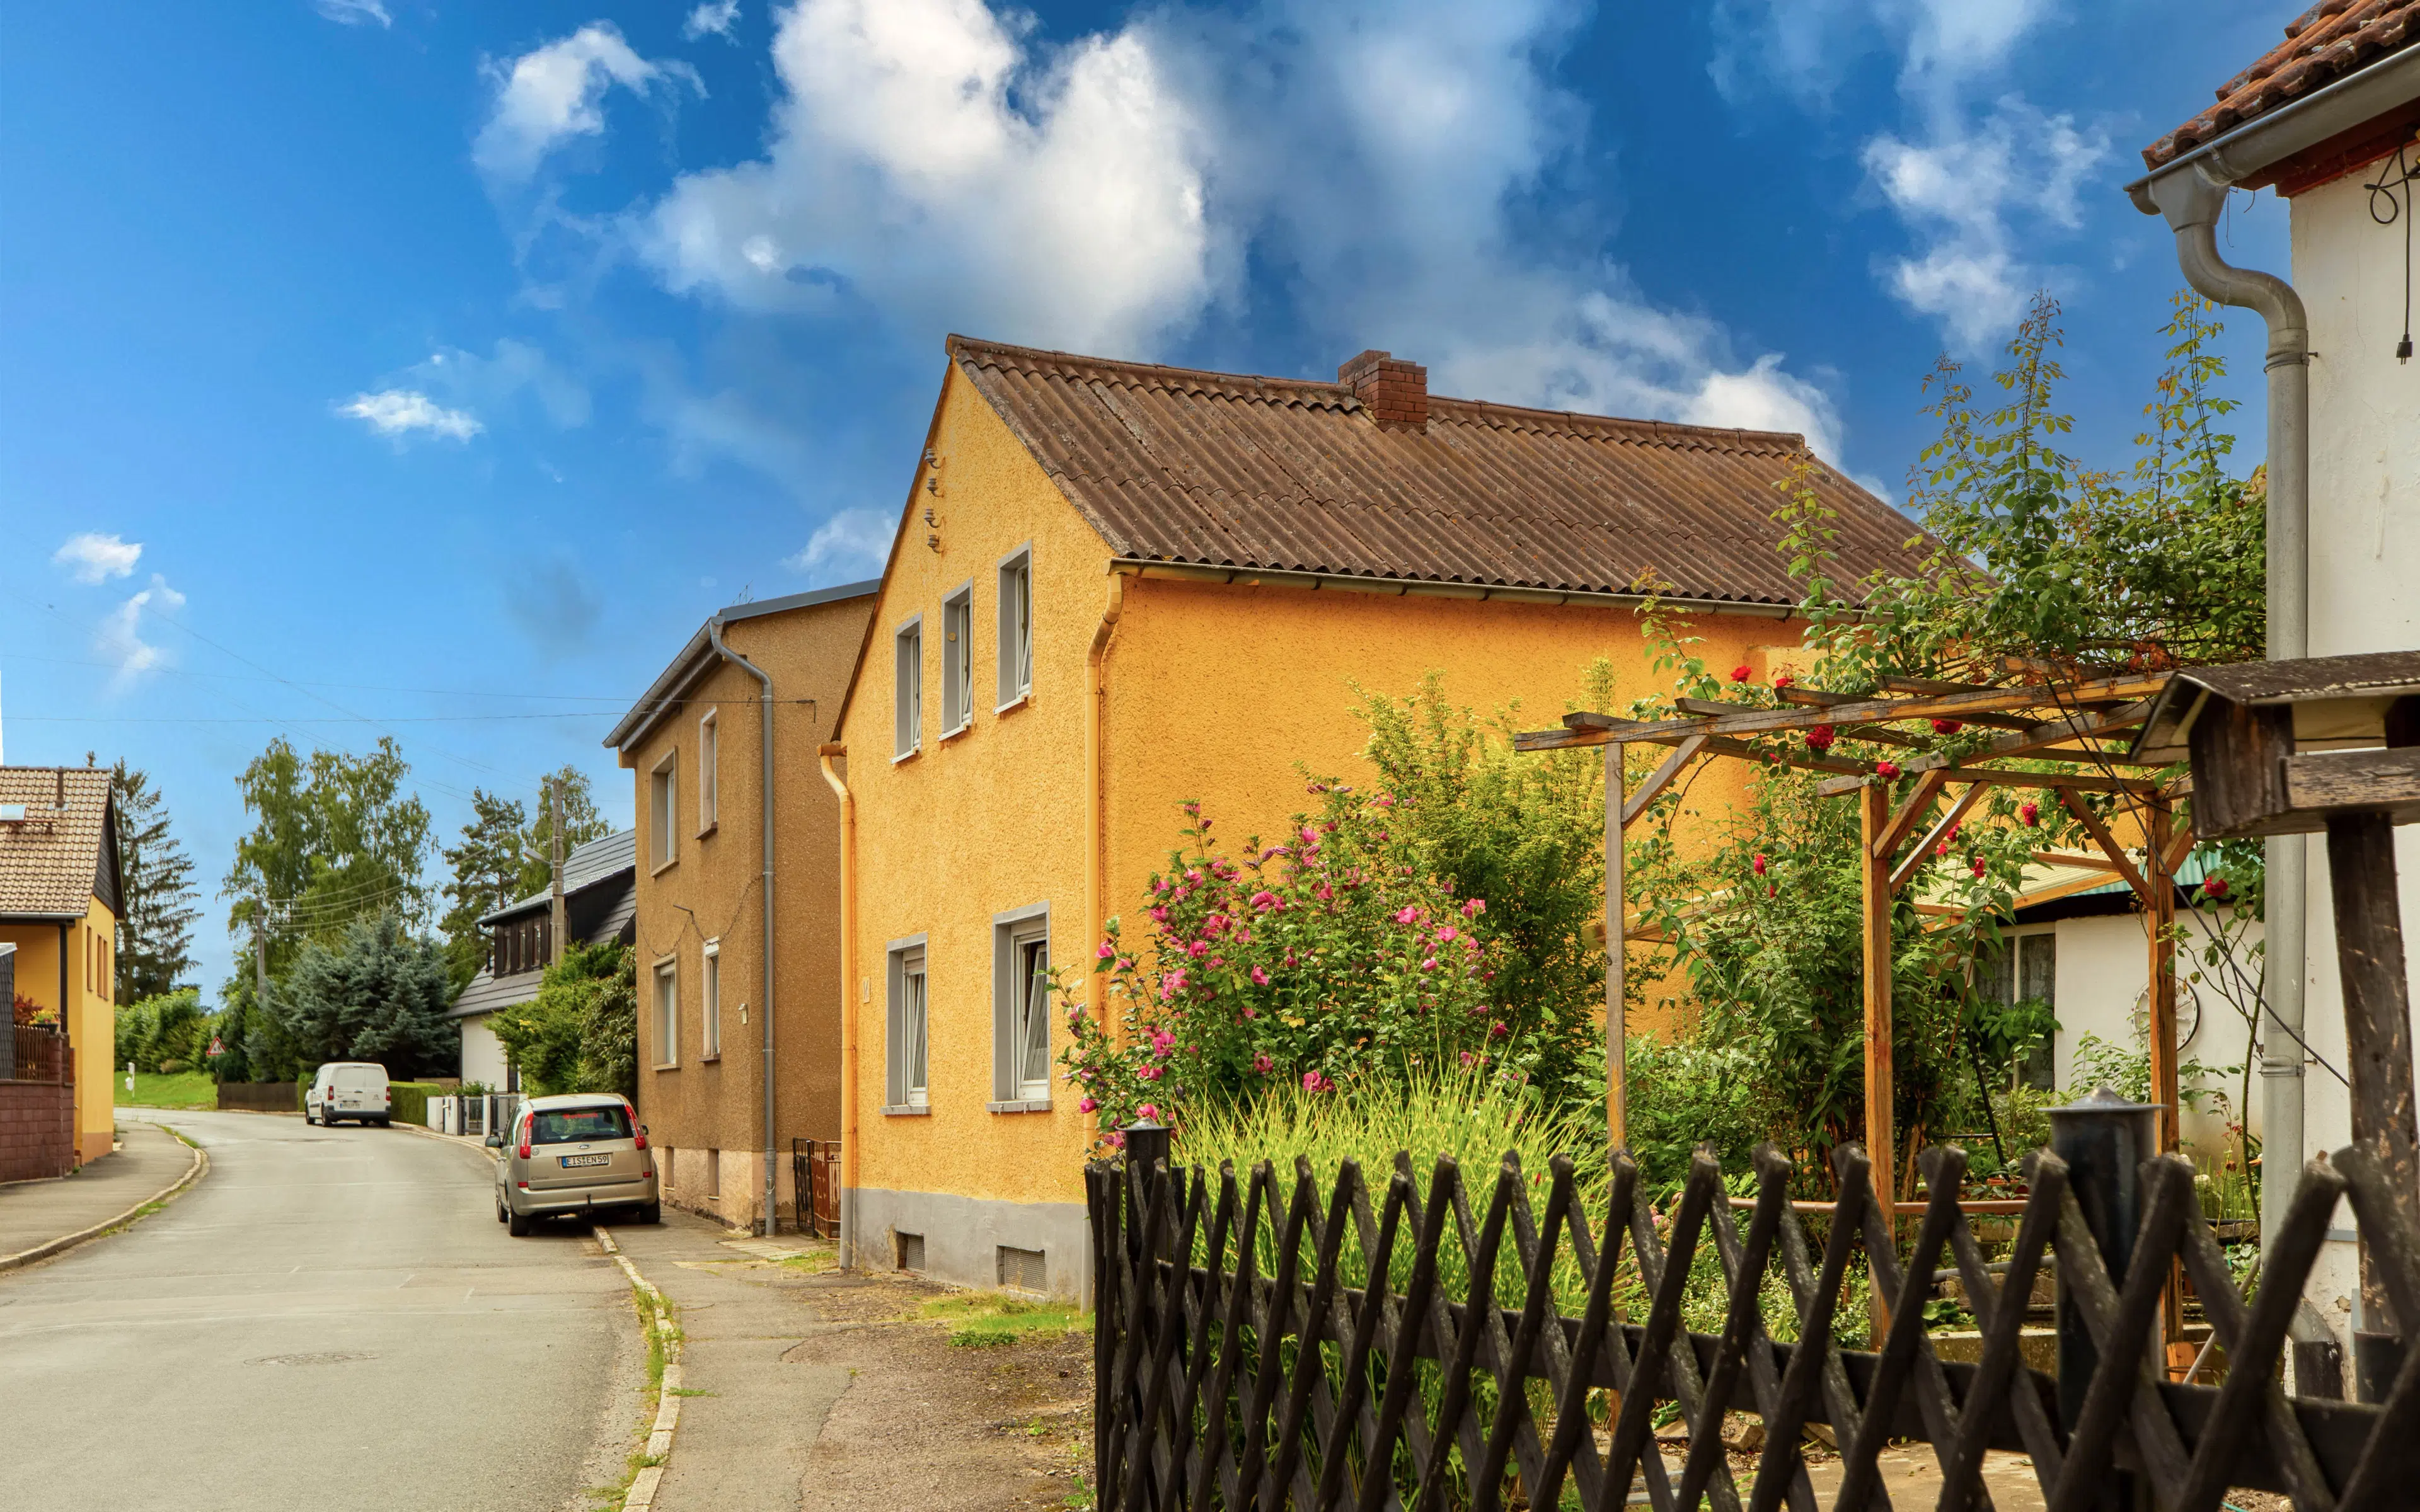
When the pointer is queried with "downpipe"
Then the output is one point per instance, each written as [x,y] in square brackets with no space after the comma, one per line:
[765,804]
[824,755]
[2192,200]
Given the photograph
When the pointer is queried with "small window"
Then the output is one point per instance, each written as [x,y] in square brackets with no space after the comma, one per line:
[958,660]
[2026,971]
[667,1014]
[1021,1008]
[711,990]
[908,699]
[1016,626]
[910,1249]
[904,1045]
[707,766]
[663,810]
[1023,1270]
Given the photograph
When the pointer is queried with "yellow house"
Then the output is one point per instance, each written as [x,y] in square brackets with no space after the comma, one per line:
[1116,587]
[59,903]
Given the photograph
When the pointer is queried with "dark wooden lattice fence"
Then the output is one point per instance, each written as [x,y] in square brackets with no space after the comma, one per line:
[1244,1364]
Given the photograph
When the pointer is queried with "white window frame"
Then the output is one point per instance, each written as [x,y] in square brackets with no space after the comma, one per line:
[908,688]
[2014,939]
[1015,643]
[663,811]
[709,754]
[1013,1087]
[907,1022]
[666,985]
[958,660]
[709,985]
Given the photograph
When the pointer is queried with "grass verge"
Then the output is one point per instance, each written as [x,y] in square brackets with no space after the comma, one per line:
[183,1090]
[992,1319]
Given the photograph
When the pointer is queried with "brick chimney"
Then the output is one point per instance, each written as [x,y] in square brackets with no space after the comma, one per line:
[1396,394]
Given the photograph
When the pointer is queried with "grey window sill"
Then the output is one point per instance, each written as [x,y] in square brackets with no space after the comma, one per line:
[1030,1105]
[907,1111]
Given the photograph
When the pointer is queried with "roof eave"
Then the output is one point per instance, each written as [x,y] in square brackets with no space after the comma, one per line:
[1499,592]
[698,657]
[2301,123]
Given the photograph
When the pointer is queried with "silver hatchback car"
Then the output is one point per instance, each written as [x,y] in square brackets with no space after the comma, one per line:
[571,1154]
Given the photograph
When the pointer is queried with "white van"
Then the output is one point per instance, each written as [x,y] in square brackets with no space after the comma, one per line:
[355,1089]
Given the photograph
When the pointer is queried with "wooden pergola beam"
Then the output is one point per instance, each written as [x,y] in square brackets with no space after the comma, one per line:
[1649,791]
[1910,814]
[2118,861]
[2042,737]
[1997,777]
[1900,873]
[1597,729]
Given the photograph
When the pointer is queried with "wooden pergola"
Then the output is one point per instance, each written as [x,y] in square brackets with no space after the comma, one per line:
[2082,724]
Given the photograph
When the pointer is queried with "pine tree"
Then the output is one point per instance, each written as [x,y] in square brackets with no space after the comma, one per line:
[155,929]
[490,868]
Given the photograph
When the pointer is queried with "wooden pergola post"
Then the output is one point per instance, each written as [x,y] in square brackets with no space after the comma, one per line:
[2159,1004]
[1617,1029]
[1881,1140]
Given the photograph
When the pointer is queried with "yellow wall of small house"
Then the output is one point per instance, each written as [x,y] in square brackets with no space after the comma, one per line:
[89,1015]
[1214,691]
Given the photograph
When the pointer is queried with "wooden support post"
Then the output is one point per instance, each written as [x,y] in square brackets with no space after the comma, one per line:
[2159,895]
[1881,1148]
[1617,1031]
[2378,1023]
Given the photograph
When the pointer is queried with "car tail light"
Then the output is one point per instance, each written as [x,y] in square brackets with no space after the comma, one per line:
[524,1150]
[643,1140]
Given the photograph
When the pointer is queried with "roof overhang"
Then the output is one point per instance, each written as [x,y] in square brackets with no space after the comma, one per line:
[2340,702]
[664,696]
[1348,583]
[2262,143]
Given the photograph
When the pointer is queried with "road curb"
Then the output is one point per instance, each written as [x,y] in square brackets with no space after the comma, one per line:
[60,1245]
[458,1141]
[641,1497]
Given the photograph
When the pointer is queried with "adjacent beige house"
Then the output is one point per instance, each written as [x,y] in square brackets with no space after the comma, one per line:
[59,904]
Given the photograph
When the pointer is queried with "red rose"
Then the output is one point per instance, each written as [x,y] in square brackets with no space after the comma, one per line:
[2213,887]
[1946,727]
[1783,680]
[1757,864]
[2030,814]
[1886,768]
[1818,739]
[1739,674]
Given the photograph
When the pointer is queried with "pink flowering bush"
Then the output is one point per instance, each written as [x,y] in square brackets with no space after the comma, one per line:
[1328,963]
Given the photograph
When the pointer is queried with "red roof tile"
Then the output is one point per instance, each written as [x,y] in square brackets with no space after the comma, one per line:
[2322,44]
[1288,475]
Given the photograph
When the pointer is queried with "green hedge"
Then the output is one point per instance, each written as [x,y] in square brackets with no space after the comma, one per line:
[411,1101]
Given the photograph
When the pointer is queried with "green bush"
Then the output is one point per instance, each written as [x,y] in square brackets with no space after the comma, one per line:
[581,1033]
[411,1101]
[170,1027]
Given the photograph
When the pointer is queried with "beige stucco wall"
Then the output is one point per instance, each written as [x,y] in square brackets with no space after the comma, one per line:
[700,1103]
[89,1015]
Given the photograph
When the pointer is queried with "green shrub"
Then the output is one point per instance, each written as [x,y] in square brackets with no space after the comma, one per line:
[411,1101]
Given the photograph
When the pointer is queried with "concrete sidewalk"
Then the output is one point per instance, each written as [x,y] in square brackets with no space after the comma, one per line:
[33,1213]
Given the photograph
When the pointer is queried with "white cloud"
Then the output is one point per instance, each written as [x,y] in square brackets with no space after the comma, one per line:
[928,163]
[1959,194]
[354,12]
[511,369]
[853,543]
[120,637]
[715,16]
[398,412]
[553,93]
[91,557]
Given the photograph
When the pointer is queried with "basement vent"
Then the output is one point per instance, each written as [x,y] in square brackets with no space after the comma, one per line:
[1023,1270]
[912,1250]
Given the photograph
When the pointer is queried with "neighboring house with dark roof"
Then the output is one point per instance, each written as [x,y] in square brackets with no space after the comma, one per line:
[1116,587]
[2330,118]
[702,749]
[600,893]
[59,904]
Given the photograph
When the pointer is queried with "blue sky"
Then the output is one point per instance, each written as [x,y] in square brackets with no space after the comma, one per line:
[373,364]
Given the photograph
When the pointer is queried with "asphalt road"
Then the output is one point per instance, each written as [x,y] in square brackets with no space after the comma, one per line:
[333,1318]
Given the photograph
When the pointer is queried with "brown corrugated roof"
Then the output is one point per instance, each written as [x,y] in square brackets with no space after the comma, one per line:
[2322,44]
[50,860]
[1286,475]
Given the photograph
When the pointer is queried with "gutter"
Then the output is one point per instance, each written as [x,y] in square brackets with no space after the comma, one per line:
[824,756]
[765,804]
[1096,882]
[2190,192]
[1398,587]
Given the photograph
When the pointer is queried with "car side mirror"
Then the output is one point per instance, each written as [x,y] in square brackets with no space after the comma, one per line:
[495,1141]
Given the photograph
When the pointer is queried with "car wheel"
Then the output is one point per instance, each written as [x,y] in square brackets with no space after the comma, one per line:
[517,1224]
[309,1117]
[386,1123]
[650,1213]
[501,1214]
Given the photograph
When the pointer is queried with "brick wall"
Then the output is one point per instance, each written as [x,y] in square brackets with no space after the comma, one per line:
[37,1130]
[1395,392]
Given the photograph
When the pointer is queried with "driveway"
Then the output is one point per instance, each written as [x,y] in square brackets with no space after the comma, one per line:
[331,1317]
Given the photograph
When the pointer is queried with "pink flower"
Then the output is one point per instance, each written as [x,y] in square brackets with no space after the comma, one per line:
[1309,836]
[1159,913]
[1384,800]
[1324,893]
[1263,1064]
[1264,899]
[1105,951]
[1197,950]
[1756,863]
[1497,1030]
[1429,964]
[1407,914]
[1086,1105]
[1114,1140]
[1162,1042]
[1251,1012]
[1313,1082]
[1447,933]
[1146,1111]
[1075,1013]
[1977,865]
[1474,908]
[1260,977]
[1172,984]
[1150,1073]
[1467,1057]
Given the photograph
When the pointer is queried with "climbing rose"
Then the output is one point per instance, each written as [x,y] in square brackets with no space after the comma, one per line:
[1946,727]
[1977,864]
[1886,768]
[1818,739]
[1783,680]
[2030,814]
[1739,674]
[2213,887]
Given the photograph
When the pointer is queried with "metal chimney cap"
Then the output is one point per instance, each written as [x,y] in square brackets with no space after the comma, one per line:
[2105,1099]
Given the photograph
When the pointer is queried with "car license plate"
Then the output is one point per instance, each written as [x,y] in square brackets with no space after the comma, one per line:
[569,1160]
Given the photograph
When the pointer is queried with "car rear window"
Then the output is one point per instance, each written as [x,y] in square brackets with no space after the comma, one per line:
[571,1126]
[353,1078]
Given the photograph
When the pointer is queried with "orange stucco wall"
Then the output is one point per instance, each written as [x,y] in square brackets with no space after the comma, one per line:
[91,1012]
[1212,691]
